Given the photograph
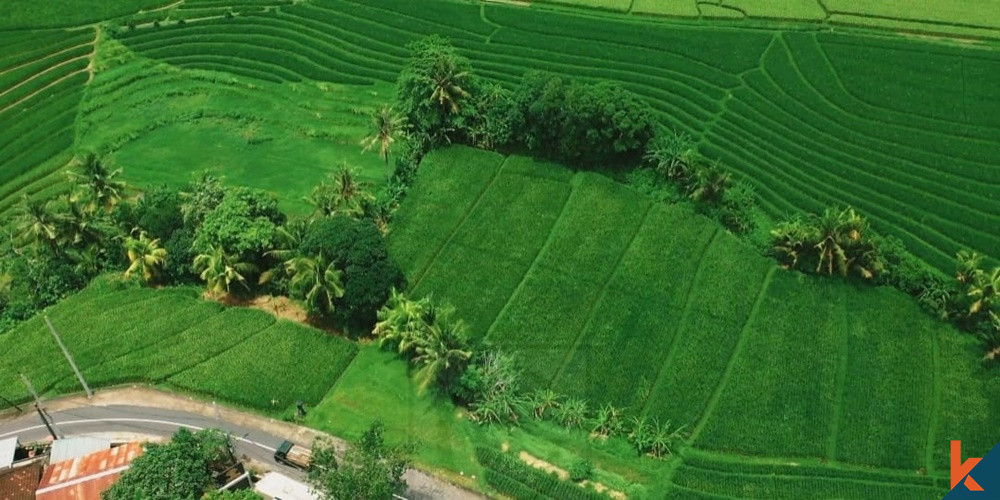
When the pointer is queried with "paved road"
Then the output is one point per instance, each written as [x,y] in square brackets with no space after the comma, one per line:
[252,443]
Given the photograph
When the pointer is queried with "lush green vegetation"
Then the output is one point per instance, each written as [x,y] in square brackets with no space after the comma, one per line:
[120,333]
[602,277]
[799,115]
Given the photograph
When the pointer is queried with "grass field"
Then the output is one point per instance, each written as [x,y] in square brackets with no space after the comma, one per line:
[610,297]
[172,337]
[892,126]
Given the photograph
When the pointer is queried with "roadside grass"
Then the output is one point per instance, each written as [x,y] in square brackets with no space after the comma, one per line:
[377,386]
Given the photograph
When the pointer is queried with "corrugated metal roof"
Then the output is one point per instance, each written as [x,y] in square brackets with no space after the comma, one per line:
[7,448]
[20,483]
[70,448]
[87,476]
[276,485]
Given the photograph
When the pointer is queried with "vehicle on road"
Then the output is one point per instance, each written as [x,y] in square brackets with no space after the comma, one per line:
[291,454]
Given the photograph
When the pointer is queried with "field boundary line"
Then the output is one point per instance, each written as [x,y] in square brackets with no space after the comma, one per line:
[534,262]
[458,226]
[835,479]
[737,351]
[841,384]
[40,73]
[937,394]
[672,350]
[591,310]
[51,84]
[46,56]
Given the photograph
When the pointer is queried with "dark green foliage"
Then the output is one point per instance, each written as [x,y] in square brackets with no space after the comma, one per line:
[179,469]
[433,89]
[158,212]
[513,477]
[370,469]
[581,470]
[244,224]
[360,251]
[492,386]
[580,123]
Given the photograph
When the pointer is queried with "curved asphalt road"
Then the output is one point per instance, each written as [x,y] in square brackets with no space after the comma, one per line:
[249,442]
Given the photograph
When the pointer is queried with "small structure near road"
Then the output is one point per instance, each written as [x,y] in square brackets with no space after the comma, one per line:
[276,485]
[75,447]
[87,476]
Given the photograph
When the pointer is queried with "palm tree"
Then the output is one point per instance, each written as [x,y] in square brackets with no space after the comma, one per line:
[99,181]
[791,238]
[37,224]
[984,290]
[663,439]
[81,225]
[841,244]
[442,353]
[219,270]
[316,280]
[572,414]
[386,125]
[401,320]
[968,266]
[447,83]
[346,195]
[710,182]
[145,255]
[290,237]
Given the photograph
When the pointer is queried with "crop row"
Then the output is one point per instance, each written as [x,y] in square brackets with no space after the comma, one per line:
[257,373]
[928,149]
[795,487]
[515,477]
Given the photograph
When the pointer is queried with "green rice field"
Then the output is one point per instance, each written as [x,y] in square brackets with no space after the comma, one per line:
[173,338]
[606,295]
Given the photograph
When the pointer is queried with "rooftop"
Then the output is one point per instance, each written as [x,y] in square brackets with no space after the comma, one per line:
[86,476]
[20,483]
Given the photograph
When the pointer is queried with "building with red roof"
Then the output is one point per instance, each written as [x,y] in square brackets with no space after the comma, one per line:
[87,476]
[20,483]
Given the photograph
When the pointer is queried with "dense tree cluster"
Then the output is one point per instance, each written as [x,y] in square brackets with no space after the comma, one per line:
[369,470]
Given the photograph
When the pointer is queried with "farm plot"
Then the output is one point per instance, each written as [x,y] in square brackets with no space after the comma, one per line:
[658,310]
[809,119]
[173,337]
[42,75]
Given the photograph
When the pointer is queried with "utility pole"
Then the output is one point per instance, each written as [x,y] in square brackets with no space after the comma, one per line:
[38,407]
[69,358]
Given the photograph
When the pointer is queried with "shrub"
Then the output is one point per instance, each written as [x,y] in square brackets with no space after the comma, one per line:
[580,123]
[581,470]
[244,223]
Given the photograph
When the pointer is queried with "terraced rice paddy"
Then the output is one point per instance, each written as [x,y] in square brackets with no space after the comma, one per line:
[174,338]
[606,295]
[809,118]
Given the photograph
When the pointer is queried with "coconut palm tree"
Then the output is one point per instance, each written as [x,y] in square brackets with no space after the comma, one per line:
[289,238]
[81,225]
[447,83]
[99,181]
[386,125]
[37,224]
[401,321]
[968,266]
[220,270]
[442,353]
[984,290]
[344,195]
[709,183]
[145,255]
[842,245]
[316,280]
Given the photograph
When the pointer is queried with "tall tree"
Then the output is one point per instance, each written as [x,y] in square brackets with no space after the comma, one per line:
[345,194]
[710,183]
[317,281]
[386,126]
[442,353]
[37,224]
[145,255]
[99,181]
[370,469]
[220,270]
